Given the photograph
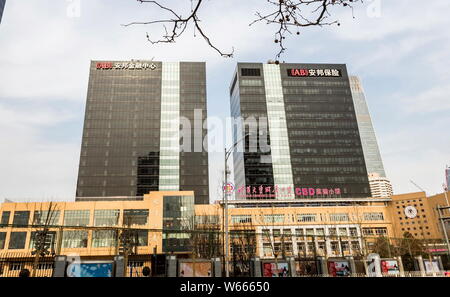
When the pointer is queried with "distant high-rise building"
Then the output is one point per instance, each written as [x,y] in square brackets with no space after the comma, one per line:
[315,148]
[131,136]
[447,177]
[371,150]
[2,7]
[380,186]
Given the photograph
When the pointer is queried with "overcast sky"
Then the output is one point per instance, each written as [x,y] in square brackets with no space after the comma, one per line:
[401,53]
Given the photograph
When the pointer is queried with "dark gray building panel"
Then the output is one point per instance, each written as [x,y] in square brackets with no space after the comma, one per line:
[194,163]
[120,154]
[247,91]
[323,141]
[2,8]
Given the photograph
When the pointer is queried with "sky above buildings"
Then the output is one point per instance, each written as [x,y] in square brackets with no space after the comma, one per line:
[400,50]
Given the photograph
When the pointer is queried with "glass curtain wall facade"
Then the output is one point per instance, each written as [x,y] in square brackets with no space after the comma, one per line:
[371,151]
[2,7]
[316,150]
[248,101]
[131,131]
[447,177]
[178,215]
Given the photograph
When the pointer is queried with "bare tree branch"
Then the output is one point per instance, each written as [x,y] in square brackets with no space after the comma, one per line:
[296,14]
[178,26]
[287,16]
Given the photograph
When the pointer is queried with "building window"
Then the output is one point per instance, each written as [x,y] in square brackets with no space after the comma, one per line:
[137,237]
[380,231]
[76,217]
[339,217]
[355,245]
[104,238]
[5,218]
[335,247]
[306,218]
[301,247]
[251,83]
[106,217]
[241,219]
[75,239]
[276,234]
[299,232]
[135,217]
[320,232]
[17,240]
[50,240]
[141,238]
[345,246]
[343,232]
[250,72]
[267,250]
[353,232]
[373,216]
[46,218]
[207,219]
[2,240]
[21,218]
[274,218]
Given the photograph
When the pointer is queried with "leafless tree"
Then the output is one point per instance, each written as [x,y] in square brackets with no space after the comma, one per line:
[243,240]
[43,220]
[287,16]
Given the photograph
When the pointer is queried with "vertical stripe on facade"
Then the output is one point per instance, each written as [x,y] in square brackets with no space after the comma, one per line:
[169,165]
[279,141]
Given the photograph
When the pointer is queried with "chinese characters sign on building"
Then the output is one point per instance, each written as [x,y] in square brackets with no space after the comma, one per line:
[126,65]
[273,192]
[314,72]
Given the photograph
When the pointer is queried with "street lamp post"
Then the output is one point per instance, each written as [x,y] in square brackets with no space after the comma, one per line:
[225,198]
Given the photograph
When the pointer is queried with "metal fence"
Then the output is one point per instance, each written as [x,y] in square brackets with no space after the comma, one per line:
[107,242]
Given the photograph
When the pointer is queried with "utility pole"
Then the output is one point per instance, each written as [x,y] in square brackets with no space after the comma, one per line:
[225,196]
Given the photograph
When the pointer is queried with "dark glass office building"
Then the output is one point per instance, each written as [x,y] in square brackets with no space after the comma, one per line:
[2,7]
[135,121]
[306,115]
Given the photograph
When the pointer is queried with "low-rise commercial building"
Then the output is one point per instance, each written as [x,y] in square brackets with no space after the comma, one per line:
[169,223]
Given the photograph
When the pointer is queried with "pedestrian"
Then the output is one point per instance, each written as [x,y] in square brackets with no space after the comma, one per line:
[146,271]
[24,273]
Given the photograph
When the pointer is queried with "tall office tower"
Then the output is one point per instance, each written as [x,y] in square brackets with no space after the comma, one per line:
[131,137]
[371,151]
[380,186]
[314,144]
[447,177]
[2,7]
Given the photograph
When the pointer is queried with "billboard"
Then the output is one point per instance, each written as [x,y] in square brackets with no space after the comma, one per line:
[390,267]
[339,268]
[201,269]
[432,266]
[90,269]
[272,269]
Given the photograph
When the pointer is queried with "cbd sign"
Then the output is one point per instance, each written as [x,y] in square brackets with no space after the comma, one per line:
[314,72]
[125,65]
